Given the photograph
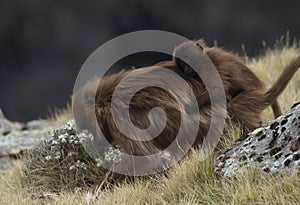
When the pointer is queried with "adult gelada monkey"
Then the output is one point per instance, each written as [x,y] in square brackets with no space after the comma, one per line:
[140,105]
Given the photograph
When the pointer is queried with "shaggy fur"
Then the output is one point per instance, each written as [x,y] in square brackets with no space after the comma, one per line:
[247,96]
[141,103]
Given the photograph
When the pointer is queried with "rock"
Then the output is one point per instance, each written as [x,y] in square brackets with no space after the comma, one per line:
[15,142]
[16,137]
[37,124]
[8,126]
[5,164]
[274,148]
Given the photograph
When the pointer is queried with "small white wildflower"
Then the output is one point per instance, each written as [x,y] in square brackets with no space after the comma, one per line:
[53,148]
[54,142]
[107,157]
[165,155]
[83,166]
[70,154]
[72,167]
[112,155]
[63,136]
[72,139]
[99,162]
[57,155]
[85,135]
[78,163]
[48,157]
[71,123]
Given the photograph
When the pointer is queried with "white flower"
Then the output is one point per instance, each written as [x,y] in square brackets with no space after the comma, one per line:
[71,123]
[83,166]
[72,138]
[85,135]
[165,155]
[57,155]
[77,163]
[99,162]
[63,136]
[48,157]
[54,142]
[70,154]
[112,155]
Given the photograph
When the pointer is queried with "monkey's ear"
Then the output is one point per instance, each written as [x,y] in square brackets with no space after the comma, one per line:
[201,42]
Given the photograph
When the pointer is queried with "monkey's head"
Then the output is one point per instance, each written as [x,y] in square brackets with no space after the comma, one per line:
[83,106]
[185,51]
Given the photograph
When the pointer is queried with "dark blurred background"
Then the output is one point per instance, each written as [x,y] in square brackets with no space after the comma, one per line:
[44,43]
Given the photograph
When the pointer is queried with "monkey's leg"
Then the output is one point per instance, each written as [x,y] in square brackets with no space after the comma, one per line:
[245,110]
[276,109]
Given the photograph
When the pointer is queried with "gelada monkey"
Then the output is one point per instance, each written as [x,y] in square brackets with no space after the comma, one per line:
[247,96]
[140,105]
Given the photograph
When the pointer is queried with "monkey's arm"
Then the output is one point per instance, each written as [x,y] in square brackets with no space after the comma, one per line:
[204,98]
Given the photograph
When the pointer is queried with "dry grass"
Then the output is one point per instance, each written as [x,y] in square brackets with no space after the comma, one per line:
[191,181]
[59,117]
[60,163]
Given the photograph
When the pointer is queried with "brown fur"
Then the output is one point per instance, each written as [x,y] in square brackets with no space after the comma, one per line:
[249,99]
[247,96]
[142,102]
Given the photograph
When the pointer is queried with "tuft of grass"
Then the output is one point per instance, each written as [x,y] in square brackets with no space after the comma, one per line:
[12,191]
[190,182]
[59,117]
[194,182]
[61,163]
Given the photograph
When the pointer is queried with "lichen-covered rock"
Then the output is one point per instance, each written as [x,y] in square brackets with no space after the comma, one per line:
[8,126]
[274,148]
[16,137]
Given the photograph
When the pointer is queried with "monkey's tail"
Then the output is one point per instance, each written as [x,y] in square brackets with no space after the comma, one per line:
[283,80]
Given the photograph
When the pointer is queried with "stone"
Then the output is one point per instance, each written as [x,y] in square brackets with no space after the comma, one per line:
[16,137]
[274,148]
[8,126]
